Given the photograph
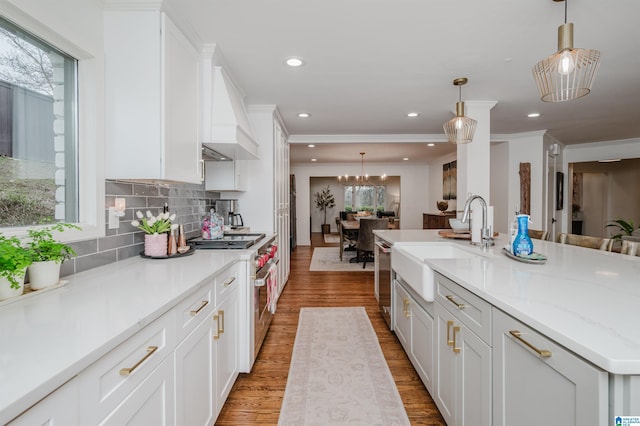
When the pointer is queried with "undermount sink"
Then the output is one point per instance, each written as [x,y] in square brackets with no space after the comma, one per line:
[410,262]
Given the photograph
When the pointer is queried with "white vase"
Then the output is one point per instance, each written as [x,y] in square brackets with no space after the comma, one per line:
[44,274]
[6,292]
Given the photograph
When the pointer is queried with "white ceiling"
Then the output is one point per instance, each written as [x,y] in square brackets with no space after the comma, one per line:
[370,62]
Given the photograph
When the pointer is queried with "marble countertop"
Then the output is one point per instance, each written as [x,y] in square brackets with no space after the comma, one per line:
[587,300]
[49,338]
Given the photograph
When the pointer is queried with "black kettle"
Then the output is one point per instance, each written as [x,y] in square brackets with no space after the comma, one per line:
[235,220]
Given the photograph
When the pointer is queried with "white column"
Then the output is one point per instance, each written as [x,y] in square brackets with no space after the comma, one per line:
[474,159]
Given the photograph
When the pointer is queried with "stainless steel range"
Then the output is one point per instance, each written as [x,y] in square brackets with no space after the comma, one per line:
[228,241]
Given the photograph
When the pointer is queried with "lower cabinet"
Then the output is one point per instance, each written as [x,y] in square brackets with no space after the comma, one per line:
[536,381]
[226,353]
[151,403]
[463,372]
[58,408]
[414,327]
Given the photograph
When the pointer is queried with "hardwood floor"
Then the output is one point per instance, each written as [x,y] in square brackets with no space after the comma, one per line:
[256,397]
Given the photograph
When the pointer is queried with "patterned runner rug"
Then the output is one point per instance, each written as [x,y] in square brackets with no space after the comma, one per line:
[331,239]
[328,259]
[338,374]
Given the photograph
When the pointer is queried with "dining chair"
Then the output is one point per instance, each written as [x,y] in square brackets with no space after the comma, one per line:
[538,235]
[632,248]
[597,243]
[346,237]
[366,242]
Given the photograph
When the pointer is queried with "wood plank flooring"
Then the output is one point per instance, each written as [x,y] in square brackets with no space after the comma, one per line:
[256,397]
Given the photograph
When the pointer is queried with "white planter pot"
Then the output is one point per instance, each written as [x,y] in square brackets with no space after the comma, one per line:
[44,274]
[6,292]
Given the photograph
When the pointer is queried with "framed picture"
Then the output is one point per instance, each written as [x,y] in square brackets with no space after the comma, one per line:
[559,190]
[449,180]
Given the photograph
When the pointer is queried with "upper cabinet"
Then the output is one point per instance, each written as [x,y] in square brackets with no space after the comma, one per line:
[152,92]
[225,123]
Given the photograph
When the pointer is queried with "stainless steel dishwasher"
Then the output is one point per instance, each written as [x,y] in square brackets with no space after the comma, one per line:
[383,279]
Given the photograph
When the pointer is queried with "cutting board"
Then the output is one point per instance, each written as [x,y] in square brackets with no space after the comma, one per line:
[458,236]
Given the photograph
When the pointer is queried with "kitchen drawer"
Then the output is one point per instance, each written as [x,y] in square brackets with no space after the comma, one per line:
[226,281]
[472,311]
[106,383]
[194,309]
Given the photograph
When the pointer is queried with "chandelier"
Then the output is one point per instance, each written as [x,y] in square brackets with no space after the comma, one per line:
[460,129]
[567,74]
[363,177]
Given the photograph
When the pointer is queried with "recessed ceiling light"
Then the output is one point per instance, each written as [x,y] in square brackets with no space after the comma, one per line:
[611,160]
[413,114]
[311,145]
[304,115]
[405,159]
[431,144]
[533,115]
[313,159]
[294,62]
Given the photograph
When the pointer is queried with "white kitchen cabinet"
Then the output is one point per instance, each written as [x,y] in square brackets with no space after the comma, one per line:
[414,327]
[195,376]
[226,347]
[225,176]
[537,381]
[462,389]
[58,408]
[152,90]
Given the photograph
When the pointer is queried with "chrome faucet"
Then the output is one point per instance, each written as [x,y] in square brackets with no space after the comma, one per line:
[486,234]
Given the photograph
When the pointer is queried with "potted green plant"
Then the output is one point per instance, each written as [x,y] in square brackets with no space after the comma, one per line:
[14,260]
[324,200]
[625,228]
[47,255]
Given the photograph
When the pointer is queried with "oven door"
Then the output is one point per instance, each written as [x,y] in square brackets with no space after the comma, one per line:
[262,313]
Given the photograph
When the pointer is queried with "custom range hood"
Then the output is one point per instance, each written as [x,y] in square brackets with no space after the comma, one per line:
[230,131]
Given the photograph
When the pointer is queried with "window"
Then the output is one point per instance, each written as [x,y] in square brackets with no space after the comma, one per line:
[365,197]
[38,131]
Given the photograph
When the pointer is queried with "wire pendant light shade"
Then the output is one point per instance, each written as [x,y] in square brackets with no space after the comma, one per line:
[567,74]
[460,130]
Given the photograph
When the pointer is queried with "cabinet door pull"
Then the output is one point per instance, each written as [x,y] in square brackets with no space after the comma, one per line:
[458,305]
[216,318]
[455,330]
[449,341]
[202,176]
[127,371]
[542,352]
[221,330]
[406,307]
[230,281]
[202,305]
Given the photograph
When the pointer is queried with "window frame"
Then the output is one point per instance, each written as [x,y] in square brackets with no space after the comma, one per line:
[89,118]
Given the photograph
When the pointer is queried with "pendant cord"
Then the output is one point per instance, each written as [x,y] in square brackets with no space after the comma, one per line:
[566,3]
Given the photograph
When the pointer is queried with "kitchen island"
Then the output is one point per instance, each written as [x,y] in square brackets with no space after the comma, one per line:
[584,300]
[48,339]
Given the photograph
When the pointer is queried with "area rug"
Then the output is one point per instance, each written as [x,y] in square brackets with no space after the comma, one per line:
[331,239]
[328,259]
[338,374]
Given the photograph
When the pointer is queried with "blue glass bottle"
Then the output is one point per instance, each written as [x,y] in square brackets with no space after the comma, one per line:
[522,244]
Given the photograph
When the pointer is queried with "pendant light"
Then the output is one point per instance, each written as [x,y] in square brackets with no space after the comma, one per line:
[362,178]
[567,74]
[460,129]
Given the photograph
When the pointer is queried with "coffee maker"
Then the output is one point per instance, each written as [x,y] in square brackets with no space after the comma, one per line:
[228,209]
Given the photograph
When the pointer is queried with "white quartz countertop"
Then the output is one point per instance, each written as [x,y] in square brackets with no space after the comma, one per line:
[46,339]
[587,300]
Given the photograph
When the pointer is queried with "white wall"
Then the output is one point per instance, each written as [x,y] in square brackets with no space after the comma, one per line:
[502,212]
[414,191]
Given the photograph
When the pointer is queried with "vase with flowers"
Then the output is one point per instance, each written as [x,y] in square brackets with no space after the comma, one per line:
[156,230]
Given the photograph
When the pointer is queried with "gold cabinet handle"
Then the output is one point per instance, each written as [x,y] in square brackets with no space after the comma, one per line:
[127,371]
[406,307]
[458,305]
[229,281]
[216,318]
[202,305]
[221,330]
[542,352]
[449,341]
[455,330]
